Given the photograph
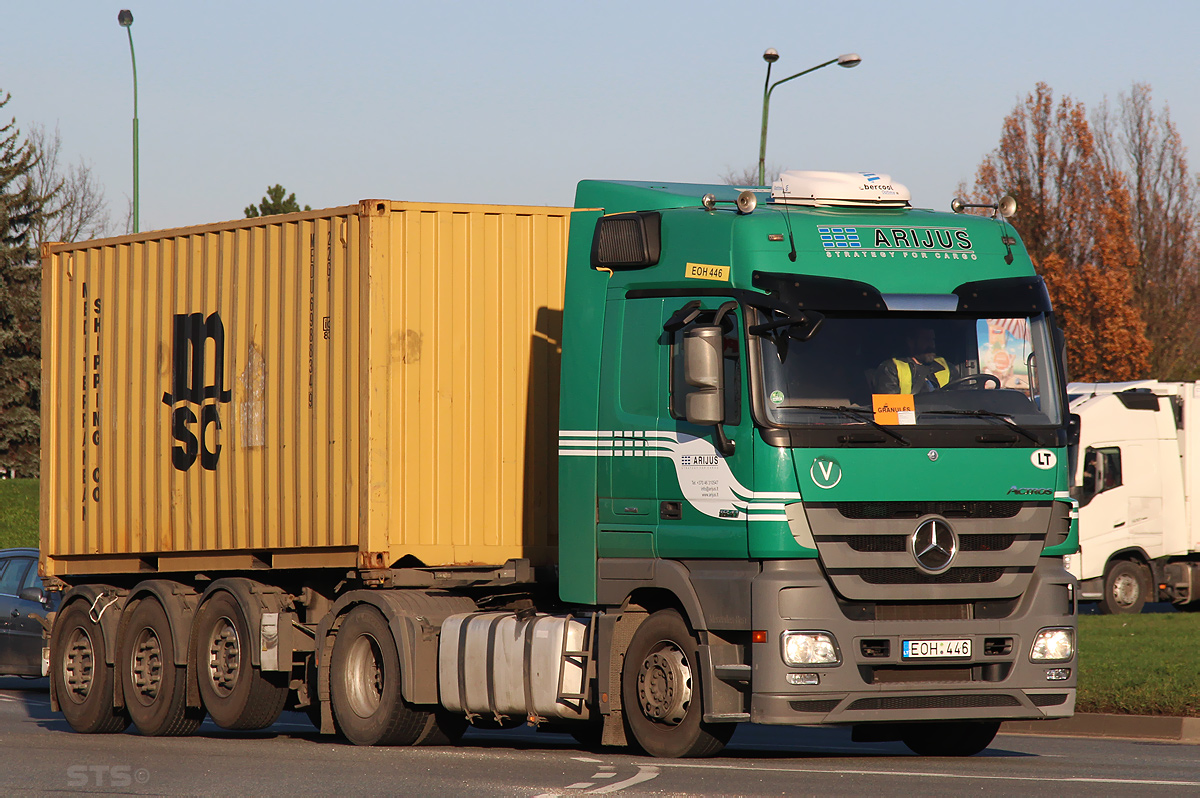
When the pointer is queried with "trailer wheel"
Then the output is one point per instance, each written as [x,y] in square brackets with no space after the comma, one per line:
[236,694]
[365,684]
[965,738]
[1125,587]
[660,689]
[83,681]
[155,687]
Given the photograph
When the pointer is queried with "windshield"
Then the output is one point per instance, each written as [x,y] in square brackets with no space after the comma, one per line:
[912,369]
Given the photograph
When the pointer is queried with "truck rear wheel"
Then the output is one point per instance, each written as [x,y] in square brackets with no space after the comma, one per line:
[1126,585]
[83,681]
[236,694]
[365,684]
[660,689]
[155,687]
[965,738]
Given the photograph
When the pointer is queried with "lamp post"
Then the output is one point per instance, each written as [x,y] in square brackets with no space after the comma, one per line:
[771,56]
[125,18]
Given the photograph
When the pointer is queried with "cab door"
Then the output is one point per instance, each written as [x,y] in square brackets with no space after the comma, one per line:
[703,492]
[632,395]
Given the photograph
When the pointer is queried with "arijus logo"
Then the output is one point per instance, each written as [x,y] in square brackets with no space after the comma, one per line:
[196,435]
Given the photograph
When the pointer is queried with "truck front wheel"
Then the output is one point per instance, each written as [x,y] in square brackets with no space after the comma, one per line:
[965,738]
[1125,587]
[155,687]
[236,694]
[83,681]
[365,684]
[660,689]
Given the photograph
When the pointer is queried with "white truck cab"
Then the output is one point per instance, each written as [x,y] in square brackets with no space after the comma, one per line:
[1137,479]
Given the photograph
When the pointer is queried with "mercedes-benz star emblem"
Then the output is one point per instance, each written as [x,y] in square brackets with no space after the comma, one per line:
[934,545]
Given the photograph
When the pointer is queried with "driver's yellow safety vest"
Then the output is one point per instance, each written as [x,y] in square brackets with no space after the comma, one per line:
[904,372]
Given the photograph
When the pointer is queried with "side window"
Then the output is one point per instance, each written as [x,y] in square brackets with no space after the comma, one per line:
[733,368]
[1101,470]
[1110,469]
[31,576]
[10,578]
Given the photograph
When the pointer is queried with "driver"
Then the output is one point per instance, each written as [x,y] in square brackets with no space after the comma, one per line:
[919,371]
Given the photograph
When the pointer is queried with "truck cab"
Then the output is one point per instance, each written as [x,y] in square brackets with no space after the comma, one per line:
[829,432]
[1134,482]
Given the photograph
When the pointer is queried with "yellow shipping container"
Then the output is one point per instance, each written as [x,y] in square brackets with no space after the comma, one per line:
[339,388]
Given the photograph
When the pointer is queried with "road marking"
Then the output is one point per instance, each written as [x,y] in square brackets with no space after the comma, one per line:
[579,785]
[925,775]
[645,773]
[586,759]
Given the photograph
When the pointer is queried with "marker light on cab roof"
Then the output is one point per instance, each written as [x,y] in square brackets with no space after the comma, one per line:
[840,189]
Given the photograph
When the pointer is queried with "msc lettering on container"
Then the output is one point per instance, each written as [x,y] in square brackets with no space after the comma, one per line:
[196,434]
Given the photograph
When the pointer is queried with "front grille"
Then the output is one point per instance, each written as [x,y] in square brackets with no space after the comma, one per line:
[906,675]
[923,612]
[985,542]
[1048,699]
[815,705]
[935,702]
[882,544]
[878,510]
[874,543]
[913,576]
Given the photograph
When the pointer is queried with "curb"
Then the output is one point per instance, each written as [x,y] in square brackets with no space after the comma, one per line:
[1135,727]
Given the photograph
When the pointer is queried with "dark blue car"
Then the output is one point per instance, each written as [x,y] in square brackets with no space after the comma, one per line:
[22,604]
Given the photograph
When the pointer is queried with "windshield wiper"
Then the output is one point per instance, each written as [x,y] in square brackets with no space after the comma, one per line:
[858,413]
[985,414]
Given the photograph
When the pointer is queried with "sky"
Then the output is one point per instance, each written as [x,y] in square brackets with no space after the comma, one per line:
[516,102]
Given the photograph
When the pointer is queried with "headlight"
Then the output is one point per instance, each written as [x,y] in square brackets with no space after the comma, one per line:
[1053,645]
[810,648]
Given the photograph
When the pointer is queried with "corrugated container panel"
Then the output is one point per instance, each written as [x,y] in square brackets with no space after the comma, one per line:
[373,381]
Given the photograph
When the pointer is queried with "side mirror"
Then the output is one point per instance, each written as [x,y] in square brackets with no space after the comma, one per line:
[32,594]
[1074,424]
[704,370]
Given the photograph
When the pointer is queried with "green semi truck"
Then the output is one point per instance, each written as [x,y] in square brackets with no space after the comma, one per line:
[812,451]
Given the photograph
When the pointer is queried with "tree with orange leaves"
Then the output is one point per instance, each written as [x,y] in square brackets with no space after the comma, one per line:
[1073,213]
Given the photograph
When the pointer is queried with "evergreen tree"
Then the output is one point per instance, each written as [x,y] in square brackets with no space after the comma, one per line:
[275,202]
[20,303]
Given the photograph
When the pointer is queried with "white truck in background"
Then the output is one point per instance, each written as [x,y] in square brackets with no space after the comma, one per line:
[1137,481]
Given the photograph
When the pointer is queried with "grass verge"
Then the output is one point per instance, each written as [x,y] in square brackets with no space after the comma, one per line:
[1139,664]
[18,513]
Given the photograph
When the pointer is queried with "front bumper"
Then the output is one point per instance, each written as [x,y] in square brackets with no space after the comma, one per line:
[874,683]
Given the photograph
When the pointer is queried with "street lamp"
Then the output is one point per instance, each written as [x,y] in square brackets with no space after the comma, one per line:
[125,18]
[771,56]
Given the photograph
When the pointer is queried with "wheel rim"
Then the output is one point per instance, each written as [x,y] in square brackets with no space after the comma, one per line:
[79,665]
[1125,590]
[146,666]
[665,684]
[364,676]
[224,656]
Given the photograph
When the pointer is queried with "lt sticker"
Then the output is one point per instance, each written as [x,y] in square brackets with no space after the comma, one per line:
[825,472]
[703,271]
[776,397]
[1043,459]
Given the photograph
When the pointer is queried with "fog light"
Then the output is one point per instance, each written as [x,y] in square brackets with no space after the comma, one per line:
[1053,645]
[804,678]
[810,648]
[1058,674]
